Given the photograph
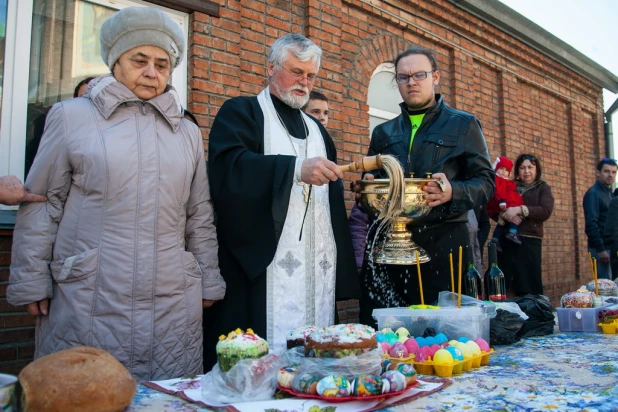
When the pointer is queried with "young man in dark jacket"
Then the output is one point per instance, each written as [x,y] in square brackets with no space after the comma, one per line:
[610,235]
[596,202]
[429,137]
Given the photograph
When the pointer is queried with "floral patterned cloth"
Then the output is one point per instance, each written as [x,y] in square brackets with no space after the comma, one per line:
[562,372]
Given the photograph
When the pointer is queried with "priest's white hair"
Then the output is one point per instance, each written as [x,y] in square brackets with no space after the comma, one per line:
[303,48]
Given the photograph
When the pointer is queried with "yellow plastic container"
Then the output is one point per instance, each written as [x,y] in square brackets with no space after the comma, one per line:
[408,359]
[476,360]
[424,368]
[458,368]
[485,356]
[610,328]
[443,371]
[467,364]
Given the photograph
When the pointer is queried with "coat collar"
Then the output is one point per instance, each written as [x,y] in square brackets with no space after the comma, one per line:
[107,95]
[436,107]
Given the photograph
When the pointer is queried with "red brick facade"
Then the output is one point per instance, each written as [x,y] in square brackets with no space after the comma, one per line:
[526,103]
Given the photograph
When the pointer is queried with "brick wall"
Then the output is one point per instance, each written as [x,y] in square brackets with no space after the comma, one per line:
[16,326]
[525,101]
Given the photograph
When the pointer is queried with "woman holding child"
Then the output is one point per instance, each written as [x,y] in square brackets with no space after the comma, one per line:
[521,264]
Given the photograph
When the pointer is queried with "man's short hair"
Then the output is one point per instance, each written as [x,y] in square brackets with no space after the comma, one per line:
[315,96]
[303,48]
[606,161]
[430,54]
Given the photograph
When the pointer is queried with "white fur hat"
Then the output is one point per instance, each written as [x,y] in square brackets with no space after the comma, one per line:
[141,26]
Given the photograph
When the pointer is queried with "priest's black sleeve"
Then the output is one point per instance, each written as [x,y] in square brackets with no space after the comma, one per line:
[250,191]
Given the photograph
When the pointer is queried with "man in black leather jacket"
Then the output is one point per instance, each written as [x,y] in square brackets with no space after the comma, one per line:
[429,137]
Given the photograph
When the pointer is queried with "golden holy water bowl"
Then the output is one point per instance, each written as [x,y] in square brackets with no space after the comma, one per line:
[398,247]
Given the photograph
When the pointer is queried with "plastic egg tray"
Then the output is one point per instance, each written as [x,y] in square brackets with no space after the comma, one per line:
[610,327]
[445,371]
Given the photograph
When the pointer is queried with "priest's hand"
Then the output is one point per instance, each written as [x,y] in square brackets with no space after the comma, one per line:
[436,193]
[319,171]
[355,186]
[207,303]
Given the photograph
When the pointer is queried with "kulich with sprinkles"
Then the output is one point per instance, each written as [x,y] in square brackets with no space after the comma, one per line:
[238,345]
[339,341]
[297,336]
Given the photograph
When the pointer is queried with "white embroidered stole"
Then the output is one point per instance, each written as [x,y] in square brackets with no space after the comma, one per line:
[301,277]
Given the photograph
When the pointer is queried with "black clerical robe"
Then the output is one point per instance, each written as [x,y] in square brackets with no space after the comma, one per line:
[251,194]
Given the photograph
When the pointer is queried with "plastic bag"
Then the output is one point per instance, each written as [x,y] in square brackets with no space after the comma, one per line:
[504,327]
[580,299]
[606,287]
[540,320]
[248,380]
[350,367]
[449,299]
[511,307]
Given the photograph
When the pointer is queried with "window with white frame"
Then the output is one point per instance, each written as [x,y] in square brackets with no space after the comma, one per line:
[50,46]
[383,96]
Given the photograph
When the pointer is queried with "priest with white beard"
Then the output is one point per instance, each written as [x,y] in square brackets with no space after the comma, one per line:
[284,245]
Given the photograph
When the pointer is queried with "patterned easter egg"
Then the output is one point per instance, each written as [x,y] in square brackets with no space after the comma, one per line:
[398,350]
[285,376]
[305,383]
[367,385]
[333,387]
[397,381]
[408,371]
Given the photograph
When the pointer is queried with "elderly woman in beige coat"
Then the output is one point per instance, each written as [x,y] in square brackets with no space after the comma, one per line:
[123,256]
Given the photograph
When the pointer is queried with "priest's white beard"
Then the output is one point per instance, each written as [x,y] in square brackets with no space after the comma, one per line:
[287,97]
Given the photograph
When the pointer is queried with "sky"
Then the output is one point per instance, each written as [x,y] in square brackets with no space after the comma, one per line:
[589,26]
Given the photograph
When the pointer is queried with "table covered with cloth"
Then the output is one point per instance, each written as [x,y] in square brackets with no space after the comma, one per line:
[563,372]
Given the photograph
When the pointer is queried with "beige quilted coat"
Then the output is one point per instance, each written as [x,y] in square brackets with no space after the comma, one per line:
[125,247]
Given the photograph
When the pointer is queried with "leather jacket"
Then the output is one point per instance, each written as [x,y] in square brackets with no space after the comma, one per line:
[448,141]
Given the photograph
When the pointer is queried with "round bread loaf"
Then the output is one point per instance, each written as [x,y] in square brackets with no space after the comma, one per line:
[339,341]
[77,379]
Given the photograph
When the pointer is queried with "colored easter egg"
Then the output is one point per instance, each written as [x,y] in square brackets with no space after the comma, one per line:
[441,338]
[453,342]
[408,371]
[442,357]
[463,339]
[482,344]
[474,347]
[444,345]
[411,345]
[386,330]
[465,350]
[305,383]
[427,350]
[402,332]
[398,350]
[420,341]
[456,353]
[385,346]
[391,337]
[430,340]
[333,387]
[285,376]
[367,385]
[396,381]
[434,348]
[380,337]
[387,364]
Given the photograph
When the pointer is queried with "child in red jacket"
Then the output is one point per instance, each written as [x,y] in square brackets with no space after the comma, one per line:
[505,196]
